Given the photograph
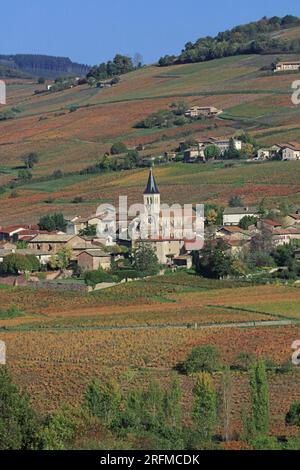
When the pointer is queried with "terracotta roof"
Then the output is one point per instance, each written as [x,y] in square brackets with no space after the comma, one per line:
[13,228]
[271,222]
[233,229]
[292,145]
[295,216]
[287,231]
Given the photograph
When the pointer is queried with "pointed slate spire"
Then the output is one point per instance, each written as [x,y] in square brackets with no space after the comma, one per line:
[151,187]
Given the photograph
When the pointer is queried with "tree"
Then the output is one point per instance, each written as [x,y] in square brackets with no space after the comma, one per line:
[247,151]
[172,405]
[59,428]
[18,422]
[261,247]
[205,406]
[284,254]
[259,397]
[292,417]
[89,231]
[211,217]
[138,60]
[203,358]
[213,262]
[15,263]
[211,152]
[41,80]
[53,222]
[226,399]
[235,201]
[118,147]
[103,400]
[24,175]
[61,259]
[145,260]
[30,160]
[232,151]
[238,268]
[247,221]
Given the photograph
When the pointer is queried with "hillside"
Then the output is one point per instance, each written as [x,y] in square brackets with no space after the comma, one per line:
[43,65]
[273,35]
[253,99]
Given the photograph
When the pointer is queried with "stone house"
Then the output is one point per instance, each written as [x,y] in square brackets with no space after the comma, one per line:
[52,243]
[92,259]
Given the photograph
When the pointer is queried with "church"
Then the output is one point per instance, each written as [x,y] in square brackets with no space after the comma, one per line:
[168,230]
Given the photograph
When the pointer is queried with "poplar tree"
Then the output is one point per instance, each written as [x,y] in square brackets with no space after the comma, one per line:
[260,397]
[205,406]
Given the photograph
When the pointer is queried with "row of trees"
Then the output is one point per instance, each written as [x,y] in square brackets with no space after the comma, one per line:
[252,38]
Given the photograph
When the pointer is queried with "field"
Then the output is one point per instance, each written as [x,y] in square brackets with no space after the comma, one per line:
[142,330]
[276,182]
[252,99]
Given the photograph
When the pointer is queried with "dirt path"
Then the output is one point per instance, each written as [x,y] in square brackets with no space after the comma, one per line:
[246,324]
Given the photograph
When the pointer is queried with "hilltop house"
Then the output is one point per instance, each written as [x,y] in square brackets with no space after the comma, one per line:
[287,66]
[206,111]
[233,215]
[266,153]
[223,144]
[291,151]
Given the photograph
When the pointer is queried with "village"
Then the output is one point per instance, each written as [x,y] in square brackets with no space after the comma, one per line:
[99,247]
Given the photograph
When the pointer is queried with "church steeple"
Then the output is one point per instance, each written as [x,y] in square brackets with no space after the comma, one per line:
[151,187]
[152,194]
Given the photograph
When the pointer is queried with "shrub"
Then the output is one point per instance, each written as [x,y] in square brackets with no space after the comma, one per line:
[118,147]
[92,278]
[14,263]
[203,358]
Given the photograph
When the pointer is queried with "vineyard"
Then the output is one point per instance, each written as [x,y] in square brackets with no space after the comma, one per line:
[252,99]
[143,330]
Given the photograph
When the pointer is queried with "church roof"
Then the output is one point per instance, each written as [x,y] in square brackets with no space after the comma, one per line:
[151,187]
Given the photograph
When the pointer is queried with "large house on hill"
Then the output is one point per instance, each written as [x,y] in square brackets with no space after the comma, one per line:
[288,66]
[206,111]
[233,215]
[288,151]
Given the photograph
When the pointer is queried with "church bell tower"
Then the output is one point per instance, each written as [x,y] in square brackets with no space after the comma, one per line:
[152,195]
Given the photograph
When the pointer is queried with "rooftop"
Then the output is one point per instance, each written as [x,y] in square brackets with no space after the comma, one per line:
[241,210]
[58,238]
